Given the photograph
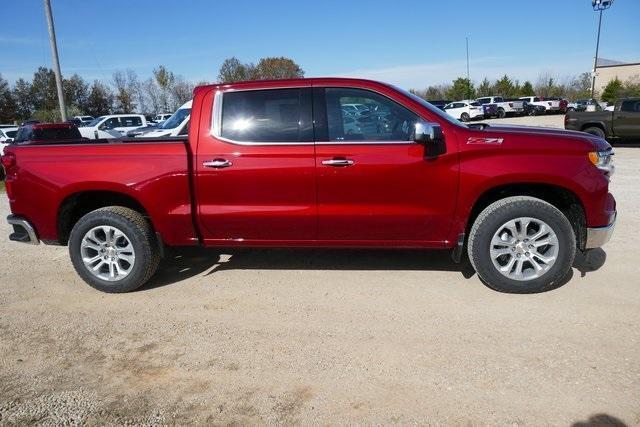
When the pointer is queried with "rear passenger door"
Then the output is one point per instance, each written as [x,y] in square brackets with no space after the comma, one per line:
[255,164]
[626,123]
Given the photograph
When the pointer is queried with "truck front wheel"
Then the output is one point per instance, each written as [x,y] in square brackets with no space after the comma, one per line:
[114,249]
[501,113]
[522,245]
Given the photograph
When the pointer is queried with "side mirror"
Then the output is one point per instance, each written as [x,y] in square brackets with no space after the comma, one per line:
[430,135]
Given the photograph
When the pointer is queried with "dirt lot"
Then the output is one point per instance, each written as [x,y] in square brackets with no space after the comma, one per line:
[327,337]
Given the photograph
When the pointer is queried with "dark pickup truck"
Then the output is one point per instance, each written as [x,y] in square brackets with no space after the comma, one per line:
[621,123]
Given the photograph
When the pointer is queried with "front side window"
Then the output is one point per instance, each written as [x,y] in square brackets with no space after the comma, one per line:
[275,115]
[378,118]
[111,123]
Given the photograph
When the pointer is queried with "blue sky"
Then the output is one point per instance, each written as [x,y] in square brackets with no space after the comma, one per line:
[409,43]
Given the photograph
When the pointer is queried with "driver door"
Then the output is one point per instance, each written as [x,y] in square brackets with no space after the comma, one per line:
[375,186]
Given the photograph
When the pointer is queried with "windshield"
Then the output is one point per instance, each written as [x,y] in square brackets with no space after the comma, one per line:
[11,133]
[435,110]
[175,120]
[95,122]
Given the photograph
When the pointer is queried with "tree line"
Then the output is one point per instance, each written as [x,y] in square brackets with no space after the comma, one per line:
[37,98]
[547,85]
[163,92]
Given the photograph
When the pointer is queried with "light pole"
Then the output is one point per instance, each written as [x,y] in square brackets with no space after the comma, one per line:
[598,6]
[56,62]
[468,79]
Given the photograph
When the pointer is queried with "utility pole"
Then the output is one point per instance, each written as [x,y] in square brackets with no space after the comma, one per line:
[54,56]
[468,78]
[598,6]
[595,60]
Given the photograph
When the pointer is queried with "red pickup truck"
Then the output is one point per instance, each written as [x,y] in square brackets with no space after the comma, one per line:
[288,163]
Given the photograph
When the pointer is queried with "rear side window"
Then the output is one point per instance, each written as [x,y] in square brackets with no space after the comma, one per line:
[631,106]
[498,99]
[131,121]
[275,116]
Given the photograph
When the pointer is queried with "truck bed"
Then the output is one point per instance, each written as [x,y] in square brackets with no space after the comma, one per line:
[153,172]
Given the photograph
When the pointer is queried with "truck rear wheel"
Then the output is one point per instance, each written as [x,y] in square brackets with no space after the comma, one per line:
[114,249]
[501,113]
[522,245]
[594,130]
[465,117]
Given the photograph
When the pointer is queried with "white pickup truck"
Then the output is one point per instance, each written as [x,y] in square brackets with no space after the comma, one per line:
[504,107]
[551,105]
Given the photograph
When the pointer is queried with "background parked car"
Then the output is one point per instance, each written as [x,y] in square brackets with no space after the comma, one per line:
[440,103]
[551,104]
[84,119]
[159,118]
[6,136]
[176,125]
[465,110]
[504,107]
[113,126]
[621,123]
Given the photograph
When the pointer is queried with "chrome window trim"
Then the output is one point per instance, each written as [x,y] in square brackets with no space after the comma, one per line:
[216,121]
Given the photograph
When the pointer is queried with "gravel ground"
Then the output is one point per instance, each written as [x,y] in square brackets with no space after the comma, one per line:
[323,337]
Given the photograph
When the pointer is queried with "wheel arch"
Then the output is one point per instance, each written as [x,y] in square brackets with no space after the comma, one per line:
[75,205]
[564,199]
[599,125]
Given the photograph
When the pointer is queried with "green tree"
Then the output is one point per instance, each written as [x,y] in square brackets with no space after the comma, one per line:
[22,98]
[462,88]
[100,100]
[232,70]
[44,94]
[527,89]
[485,88]
[270,68]
[165,80]
[504,87]
[276,68]
[612,91]
[125,85]
[75,91]
[7,103]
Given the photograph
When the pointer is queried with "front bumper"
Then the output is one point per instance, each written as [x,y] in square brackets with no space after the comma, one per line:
[598,236]
[23,231]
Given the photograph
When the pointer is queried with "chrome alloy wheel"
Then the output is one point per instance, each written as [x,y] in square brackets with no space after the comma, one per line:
[107,253]
[524,248]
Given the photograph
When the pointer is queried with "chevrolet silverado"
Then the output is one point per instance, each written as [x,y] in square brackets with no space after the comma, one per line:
[275,164]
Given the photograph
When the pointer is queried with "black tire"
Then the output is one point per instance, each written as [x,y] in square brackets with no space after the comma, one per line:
[504,210]
[594,130]
[501,113]
[465,117]
[139,232]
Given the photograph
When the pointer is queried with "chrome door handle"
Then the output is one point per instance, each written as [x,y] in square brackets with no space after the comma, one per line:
[217,163]
[338,162]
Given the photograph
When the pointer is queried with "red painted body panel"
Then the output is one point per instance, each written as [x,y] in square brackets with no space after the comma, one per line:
[154,174]
[282,195]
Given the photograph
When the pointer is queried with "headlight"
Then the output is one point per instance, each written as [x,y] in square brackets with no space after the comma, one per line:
[603,160]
